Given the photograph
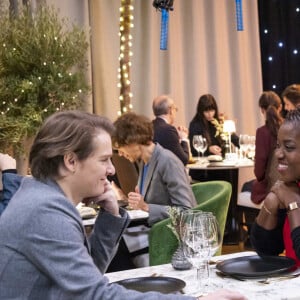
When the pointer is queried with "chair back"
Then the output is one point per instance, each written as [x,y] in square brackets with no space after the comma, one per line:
[127,173]
[213,196]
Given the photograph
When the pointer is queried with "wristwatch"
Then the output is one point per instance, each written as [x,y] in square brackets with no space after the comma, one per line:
[292,206]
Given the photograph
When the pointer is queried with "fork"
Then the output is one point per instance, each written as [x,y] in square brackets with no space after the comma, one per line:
[280,278]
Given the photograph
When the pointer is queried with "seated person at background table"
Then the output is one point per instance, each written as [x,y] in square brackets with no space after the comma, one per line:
[162,181]
[291,96]
[9,186]
[41,232]
[201,124]
[171,138]
[277,226]
[265,163]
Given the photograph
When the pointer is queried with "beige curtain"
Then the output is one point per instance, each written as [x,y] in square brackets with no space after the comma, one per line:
[206,54]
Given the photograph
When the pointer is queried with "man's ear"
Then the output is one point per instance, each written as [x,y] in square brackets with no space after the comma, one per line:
[70,161]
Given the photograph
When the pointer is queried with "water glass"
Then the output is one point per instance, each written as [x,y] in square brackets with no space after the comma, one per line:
[201,239]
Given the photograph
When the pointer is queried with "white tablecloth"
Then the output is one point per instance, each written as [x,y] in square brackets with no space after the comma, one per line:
[252,289]
[133,215]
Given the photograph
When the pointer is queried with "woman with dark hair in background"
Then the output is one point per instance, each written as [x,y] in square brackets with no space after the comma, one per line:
[203,124]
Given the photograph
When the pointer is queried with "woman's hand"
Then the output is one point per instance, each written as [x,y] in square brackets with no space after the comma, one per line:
[136,200]
[215,149]
[267,217]
[286,192]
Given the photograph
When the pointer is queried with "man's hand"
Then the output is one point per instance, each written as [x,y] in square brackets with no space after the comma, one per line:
[182,132]
[108,200]
[136,200]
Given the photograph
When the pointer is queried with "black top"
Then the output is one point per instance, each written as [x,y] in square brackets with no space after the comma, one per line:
[196,128]
[270,242]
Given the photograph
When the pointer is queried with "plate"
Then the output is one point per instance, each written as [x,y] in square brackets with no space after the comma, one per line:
[163,285]
[256,266]
[137,214]
[214,158]
[221,164]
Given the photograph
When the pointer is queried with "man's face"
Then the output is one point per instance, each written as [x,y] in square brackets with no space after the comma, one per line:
[172,112]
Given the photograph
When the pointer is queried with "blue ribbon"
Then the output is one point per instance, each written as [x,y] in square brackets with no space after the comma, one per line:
[164,29]
[239,15]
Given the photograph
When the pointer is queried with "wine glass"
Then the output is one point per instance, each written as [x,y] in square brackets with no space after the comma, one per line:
[203,146]
[197,144]
[200,144]
[244,143]
[200,237]
[213,234]
[251,153]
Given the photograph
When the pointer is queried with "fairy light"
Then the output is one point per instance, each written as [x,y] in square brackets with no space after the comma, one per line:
[126,23]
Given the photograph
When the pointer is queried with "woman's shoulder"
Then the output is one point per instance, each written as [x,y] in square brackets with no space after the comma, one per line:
[195,125]
[263,133]
[165,155]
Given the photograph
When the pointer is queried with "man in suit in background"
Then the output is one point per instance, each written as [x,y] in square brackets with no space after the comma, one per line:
[167,135]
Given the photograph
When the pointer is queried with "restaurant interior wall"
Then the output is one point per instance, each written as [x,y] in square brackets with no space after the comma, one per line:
[206,54]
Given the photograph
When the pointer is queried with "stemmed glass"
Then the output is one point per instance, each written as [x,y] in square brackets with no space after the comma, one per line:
[197,144]
[251,153]
[244,143]
[200,235]
[203,146]
[200,145]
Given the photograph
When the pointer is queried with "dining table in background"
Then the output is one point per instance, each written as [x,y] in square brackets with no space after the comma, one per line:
[137,217]
[269,288]
[228,171]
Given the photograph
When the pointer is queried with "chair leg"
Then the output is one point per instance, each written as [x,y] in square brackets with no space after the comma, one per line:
[243,230]
[246,219]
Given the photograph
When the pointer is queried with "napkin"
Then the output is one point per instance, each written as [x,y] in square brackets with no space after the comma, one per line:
[137,214]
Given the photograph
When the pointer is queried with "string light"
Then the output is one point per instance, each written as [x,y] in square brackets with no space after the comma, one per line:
[126,23]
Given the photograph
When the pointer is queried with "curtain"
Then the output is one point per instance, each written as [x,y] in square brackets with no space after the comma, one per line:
[206,54]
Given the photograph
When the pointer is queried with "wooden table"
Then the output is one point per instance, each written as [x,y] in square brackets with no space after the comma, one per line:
[228,171]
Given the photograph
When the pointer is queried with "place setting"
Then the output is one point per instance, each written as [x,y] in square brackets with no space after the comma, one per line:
[200,238]
[257,267]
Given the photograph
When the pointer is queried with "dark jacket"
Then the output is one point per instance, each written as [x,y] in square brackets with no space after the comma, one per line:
[264,165]
[167,136]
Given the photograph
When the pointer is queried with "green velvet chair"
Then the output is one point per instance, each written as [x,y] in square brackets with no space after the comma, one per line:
[213,196]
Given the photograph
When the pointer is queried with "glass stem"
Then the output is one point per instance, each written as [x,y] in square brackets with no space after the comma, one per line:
[203,271]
